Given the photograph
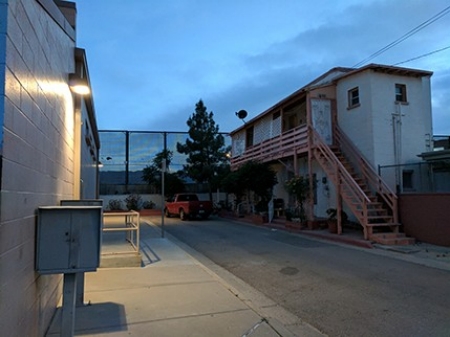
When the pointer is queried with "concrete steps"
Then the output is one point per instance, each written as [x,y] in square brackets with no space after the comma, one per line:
[392,239]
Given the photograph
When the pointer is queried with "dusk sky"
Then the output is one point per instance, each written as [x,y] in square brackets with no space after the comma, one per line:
[151,61]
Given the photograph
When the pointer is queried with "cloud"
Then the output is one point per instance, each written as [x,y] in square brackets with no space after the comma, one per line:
[440,85]
[150,64]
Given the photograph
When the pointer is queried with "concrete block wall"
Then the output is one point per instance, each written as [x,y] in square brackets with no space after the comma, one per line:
[425,217]
[37,155]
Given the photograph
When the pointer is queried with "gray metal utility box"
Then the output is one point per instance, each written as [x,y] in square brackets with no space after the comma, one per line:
[68,239]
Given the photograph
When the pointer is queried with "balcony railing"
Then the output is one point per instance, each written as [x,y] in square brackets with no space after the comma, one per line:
[291,142]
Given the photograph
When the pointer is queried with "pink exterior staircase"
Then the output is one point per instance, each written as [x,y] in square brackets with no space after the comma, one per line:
[367,196]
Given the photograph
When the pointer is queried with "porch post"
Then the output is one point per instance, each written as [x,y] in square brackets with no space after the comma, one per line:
[339,207]
[295,162]
[310,158]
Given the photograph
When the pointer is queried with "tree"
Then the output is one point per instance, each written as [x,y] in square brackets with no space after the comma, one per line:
[205,147]
[152,174]
[254,177]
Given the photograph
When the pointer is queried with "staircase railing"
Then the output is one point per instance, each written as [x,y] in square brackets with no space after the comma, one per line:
[374,181]
[354,196]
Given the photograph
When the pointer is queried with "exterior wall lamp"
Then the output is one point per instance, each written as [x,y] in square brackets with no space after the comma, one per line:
[78,85]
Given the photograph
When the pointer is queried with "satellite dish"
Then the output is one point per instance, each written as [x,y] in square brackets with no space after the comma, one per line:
[241,114]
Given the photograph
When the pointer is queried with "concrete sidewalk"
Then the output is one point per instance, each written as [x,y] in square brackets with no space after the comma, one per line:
[173,294]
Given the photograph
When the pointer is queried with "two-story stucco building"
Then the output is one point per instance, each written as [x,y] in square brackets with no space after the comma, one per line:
[48,149]
[337,130]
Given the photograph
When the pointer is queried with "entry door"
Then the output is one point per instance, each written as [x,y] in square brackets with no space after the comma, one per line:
[321,118]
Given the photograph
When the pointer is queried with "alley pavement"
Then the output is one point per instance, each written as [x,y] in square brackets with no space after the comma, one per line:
[178,292]
[173,294]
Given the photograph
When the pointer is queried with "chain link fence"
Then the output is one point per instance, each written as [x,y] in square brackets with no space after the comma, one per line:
[422,177]
[124,155]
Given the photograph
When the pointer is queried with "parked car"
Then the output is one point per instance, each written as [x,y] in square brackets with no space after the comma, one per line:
[187,205]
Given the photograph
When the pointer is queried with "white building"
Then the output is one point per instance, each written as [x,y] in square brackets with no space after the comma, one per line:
[337,130]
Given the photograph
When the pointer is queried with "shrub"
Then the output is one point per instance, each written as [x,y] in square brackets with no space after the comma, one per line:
[114,205]
[133,202]
[148,204]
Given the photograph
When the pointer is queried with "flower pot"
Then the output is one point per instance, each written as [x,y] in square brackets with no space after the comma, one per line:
[313,224]
[332,226]
[260,218]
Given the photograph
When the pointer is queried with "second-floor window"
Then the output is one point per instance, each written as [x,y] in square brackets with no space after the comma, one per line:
[353,98]
[400,93]
[249,137]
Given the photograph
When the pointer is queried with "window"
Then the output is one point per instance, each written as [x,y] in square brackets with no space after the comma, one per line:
[276,115]
[249,137]
[408,179]
[400,93]
[353,98]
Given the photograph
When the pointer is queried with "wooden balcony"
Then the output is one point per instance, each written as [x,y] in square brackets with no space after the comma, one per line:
[294,141]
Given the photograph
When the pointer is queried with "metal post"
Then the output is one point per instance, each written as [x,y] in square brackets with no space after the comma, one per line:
[163,172]
[68,307]
[127,158]
[79,302]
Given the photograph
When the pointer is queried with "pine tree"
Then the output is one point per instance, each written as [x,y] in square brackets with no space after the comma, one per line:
[152,174]
[205,147]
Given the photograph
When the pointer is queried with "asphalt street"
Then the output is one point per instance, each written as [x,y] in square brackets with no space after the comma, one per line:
[341,290]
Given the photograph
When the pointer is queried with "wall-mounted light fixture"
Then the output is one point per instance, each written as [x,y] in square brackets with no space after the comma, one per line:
[78,85]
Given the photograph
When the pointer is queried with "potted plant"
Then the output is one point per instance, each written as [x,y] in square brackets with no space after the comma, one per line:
[299,187]
[114,205]
[261,214]
[332,219]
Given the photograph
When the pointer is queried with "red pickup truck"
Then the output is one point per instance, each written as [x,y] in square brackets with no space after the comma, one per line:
[187,205]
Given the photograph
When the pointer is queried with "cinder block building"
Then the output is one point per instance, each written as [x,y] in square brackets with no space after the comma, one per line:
[48,149]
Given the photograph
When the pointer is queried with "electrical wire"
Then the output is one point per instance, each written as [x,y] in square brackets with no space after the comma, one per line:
[421,56]
[413,31]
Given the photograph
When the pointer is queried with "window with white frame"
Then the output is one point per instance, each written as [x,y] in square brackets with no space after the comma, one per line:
[353,98]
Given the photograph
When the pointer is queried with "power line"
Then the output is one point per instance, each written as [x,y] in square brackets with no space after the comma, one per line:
[423,55]
[413,31]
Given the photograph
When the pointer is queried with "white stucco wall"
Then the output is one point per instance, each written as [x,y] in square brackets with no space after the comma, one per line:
[416,119]
[371,125]
[357,122]
[38,137]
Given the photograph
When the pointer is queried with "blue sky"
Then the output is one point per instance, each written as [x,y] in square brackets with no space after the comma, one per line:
[151,61]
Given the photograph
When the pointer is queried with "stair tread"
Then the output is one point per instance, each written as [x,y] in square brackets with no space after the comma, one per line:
[382,224]
[390,235]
